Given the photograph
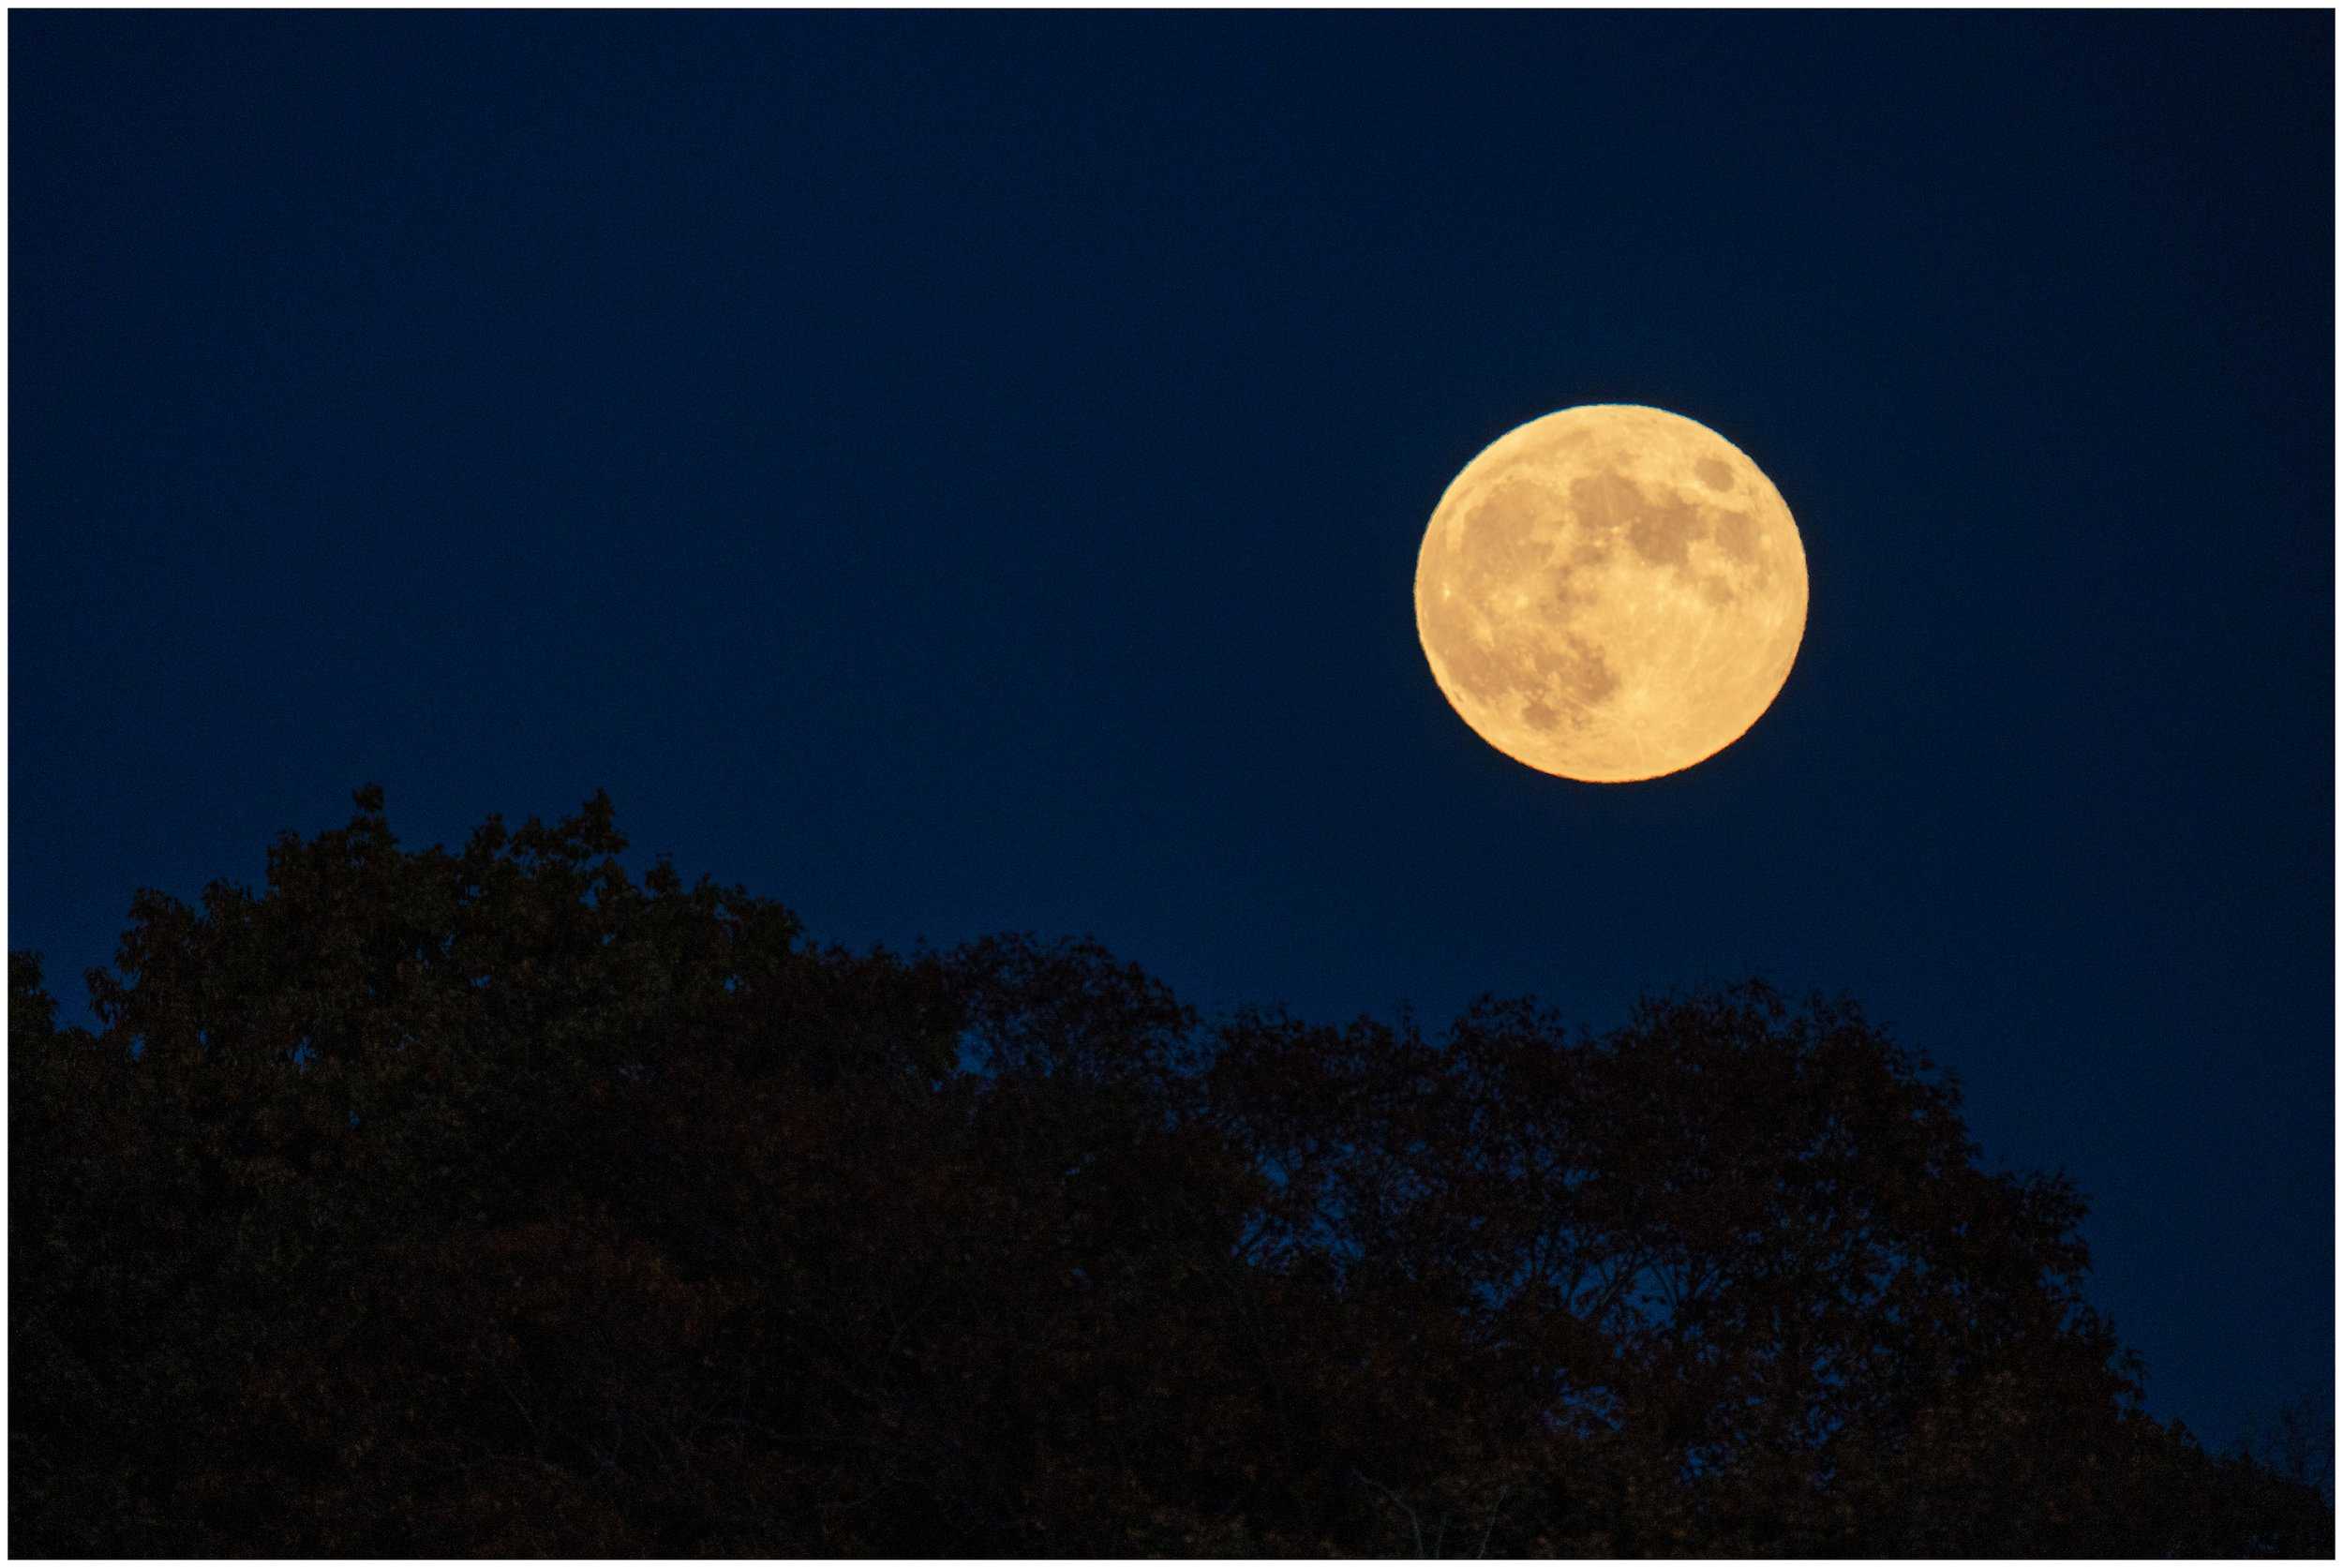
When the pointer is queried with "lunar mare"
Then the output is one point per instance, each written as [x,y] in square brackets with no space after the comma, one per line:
[1611,592]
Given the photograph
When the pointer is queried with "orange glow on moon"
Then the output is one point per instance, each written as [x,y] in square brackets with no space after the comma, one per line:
[1611,592]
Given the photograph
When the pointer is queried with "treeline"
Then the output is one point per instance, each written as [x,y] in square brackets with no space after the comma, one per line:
[440,1204]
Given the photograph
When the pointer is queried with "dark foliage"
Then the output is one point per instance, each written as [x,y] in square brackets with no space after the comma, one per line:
[445,1205]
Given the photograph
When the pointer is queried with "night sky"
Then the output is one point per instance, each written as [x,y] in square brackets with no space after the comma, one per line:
[957,474]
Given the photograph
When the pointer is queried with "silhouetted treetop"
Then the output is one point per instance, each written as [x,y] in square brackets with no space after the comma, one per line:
[489,1203]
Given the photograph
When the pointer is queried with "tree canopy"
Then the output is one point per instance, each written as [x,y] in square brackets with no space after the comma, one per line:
[486,1203]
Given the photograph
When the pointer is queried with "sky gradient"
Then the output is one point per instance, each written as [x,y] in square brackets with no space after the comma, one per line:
[956,474]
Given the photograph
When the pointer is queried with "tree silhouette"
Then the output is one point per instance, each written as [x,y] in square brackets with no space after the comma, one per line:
[2297,1440]
[488,1203]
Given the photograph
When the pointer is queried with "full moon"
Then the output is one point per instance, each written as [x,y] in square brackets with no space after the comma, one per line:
[1611,592]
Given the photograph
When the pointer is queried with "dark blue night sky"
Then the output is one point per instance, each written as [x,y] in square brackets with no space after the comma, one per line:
[959,472]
